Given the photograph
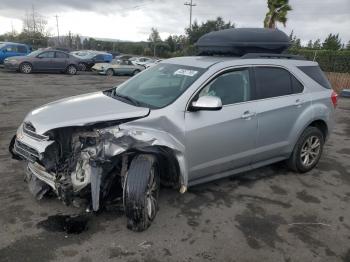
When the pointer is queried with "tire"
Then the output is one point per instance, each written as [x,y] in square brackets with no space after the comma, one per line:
[26,68]
[71,70]
[141,190]
[307,151]
[136,72]
[82,67]
[110,72]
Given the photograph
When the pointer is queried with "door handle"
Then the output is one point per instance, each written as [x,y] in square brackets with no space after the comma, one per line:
[299,102]
[248,115]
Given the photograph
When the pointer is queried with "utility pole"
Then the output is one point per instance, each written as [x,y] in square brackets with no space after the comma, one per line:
[190,4]
[33,16]
[58,31]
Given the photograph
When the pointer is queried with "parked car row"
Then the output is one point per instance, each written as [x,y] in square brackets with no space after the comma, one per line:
[18,57]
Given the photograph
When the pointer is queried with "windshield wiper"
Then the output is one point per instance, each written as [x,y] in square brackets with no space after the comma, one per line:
[127,98]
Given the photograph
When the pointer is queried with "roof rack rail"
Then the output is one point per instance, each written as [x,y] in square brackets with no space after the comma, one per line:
[272,55]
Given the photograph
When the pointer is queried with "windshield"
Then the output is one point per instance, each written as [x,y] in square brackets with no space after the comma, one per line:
[35,53]
[160,85]
[2,45]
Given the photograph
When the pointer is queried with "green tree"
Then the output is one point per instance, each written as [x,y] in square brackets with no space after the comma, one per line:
[310,44]
[199,30]
[154,39]
[332,42]
[278,10]
[317,44]
[348,45]
[295,42]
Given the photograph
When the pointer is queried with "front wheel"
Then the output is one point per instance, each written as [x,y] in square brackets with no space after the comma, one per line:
[307,151]
[26,68]
[71,70]
[141,190]
[110,72]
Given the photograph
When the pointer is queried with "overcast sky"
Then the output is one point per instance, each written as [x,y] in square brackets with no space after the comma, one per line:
[132,20]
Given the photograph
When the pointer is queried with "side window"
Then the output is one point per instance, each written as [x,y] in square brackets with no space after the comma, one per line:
[11,48]
[47,55]
[21,49]
[99,58]
[272,82]
[61,55]
[232,87]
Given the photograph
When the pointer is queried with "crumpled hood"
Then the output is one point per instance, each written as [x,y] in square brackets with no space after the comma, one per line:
[82,110]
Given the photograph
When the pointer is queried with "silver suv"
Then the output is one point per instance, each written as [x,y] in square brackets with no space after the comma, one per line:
[182,122]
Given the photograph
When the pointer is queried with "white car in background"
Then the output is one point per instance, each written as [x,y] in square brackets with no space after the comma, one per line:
[117,67]
[142,61]
[153,63]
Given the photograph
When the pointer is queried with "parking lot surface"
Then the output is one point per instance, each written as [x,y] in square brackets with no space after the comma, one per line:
[269,214]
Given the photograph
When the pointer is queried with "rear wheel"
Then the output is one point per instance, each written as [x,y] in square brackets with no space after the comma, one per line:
[307,152]
[136,72]
[26,68]
[141,190]
[71,70]
[110,72]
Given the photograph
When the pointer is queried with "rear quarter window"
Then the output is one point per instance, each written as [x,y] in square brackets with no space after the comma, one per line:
[315,73]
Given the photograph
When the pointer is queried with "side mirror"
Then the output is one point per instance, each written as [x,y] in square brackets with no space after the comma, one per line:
[210,103]
[4,50]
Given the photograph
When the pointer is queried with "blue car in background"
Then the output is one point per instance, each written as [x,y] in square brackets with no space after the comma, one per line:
[8,49]
[88,58]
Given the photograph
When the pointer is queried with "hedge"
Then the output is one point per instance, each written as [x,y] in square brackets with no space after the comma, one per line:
[329,61]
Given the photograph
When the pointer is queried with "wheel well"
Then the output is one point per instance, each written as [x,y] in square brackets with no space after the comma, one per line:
[71,65]
[25,62]
[322,126]
[168,163]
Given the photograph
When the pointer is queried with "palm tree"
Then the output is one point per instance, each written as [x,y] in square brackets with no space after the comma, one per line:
[278,10]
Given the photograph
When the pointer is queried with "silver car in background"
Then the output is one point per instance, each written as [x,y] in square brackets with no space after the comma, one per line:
[182,122]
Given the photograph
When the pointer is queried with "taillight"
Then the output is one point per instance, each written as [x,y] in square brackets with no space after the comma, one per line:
[334,98]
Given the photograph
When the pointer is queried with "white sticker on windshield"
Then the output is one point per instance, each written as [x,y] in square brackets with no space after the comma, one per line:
[185,72]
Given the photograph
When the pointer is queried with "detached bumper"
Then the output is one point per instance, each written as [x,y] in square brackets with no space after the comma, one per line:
[40,172]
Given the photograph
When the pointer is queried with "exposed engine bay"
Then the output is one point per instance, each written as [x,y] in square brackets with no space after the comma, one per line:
[89,162]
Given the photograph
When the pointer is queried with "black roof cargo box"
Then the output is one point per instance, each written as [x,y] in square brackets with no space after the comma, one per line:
[240,41]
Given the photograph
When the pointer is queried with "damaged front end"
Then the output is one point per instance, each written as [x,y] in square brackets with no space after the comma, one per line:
[90,162]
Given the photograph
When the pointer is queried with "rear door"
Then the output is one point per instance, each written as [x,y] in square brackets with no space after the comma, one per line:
[280,103]
[60,61]
[220,141]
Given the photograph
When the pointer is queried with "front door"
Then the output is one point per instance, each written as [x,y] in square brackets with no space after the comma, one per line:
[43,62]
[224,140]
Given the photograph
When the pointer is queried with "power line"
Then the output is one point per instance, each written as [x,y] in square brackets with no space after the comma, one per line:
[191,5]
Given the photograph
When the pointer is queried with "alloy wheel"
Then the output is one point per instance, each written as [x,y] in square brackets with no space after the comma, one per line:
[151,196]
[310,151]
[26,68]
[72,70]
